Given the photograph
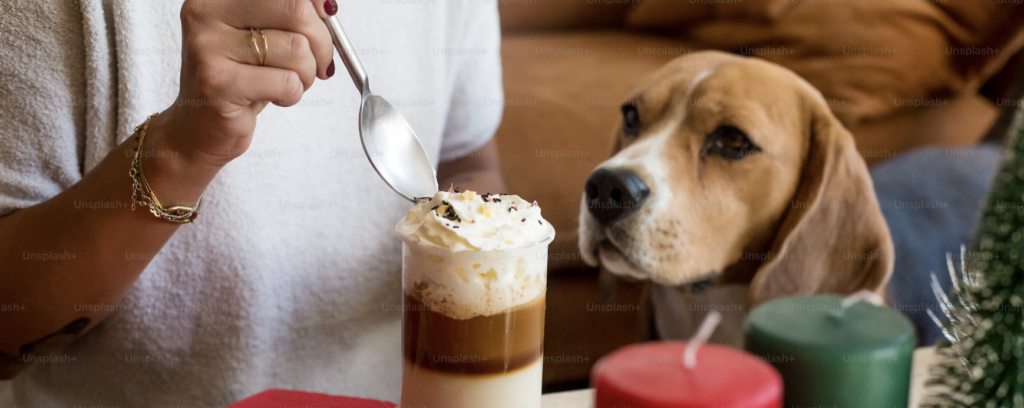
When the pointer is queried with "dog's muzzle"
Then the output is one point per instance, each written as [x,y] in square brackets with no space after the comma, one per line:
[613,193]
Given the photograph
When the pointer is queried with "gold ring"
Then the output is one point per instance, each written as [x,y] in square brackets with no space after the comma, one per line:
[266,48]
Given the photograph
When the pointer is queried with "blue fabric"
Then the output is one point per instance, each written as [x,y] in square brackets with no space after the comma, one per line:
[931,198]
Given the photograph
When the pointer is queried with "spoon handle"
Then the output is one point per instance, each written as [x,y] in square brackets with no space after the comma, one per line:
[348,54]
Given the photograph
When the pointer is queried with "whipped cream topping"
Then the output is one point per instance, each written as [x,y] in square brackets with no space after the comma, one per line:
[467,221]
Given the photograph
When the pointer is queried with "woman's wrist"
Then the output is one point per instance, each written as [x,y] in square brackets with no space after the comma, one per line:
[176,176]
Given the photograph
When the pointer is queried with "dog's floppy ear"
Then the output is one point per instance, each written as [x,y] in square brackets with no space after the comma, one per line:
[833,238]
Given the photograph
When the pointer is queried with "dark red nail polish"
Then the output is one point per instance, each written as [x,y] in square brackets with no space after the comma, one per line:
[330,70]
[331,7]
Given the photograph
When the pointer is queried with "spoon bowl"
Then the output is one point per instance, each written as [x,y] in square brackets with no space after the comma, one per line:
[390,143]
[394,150]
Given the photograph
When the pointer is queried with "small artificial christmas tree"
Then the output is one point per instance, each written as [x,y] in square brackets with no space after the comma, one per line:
[982,362]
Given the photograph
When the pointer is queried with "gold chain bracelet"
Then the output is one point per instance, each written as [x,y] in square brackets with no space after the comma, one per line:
[144,195]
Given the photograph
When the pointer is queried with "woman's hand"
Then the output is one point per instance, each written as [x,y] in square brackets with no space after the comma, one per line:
[223,85]
[223,88]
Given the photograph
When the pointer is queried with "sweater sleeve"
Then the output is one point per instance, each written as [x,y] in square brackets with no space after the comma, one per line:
[42,101]
[477,97]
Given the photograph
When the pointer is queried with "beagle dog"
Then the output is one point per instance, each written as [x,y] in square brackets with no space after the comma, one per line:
[732,184]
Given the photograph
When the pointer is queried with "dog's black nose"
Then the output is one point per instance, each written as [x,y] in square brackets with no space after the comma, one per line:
[613,193]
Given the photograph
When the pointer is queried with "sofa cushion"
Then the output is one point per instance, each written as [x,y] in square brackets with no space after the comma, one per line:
[562,98]
[873,58]
[521,15]
[672,13]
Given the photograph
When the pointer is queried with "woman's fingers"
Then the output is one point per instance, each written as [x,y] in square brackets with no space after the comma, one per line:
[326,8]
[246,85]
[221,64]
[283,49]
[253,84]
[298,16]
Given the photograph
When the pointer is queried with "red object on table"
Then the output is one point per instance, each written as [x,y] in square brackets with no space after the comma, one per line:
[286,398]
[652,375]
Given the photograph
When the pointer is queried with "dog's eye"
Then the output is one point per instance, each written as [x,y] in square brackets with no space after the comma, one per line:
[730,143]
[630,120]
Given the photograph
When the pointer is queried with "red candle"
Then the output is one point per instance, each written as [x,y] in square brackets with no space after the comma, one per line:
[653,375]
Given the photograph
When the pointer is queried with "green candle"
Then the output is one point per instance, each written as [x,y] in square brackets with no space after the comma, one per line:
[856,355]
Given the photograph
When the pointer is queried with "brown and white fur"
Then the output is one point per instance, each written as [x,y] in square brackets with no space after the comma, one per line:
[798,216]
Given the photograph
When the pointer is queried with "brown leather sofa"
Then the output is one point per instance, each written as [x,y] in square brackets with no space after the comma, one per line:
[568,65]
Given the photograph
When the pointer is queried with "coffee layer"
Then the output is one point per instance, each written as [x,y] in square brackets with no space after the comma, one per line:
[481,345]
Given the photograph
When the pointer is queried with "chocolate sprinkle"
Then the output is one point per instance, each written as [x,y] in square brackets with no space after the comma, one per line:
[541,223]
[524,219]
[449,213]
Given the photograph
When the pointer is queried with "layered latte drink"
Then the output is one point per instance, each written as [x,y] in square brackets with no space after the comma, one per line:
[474,274]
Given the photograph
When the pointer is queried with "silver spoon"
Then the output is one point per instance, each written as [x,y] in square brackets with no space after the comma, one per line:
[389,142]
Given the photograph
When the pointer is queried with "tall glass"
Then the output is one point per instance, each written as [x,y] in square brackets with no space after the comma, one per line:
[473,326]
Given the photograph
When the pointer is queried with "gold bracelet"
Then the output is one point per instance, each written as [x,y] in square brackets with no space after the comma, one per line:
[143,194]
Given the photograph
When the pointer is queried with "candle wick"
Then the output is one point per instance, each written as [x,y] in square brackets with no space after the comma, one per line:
[862,295]
[707,328]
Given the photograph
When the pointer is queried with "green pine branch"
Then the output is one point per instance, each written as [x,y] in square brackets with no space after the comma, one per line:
[985,366]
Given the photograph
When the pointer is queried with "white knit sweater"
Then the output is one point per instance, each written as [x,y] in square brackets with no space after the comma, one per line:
[291,276]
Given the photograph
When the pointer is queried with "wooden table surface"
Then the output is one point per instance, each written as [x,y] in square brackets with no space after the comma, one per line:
[585,398]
